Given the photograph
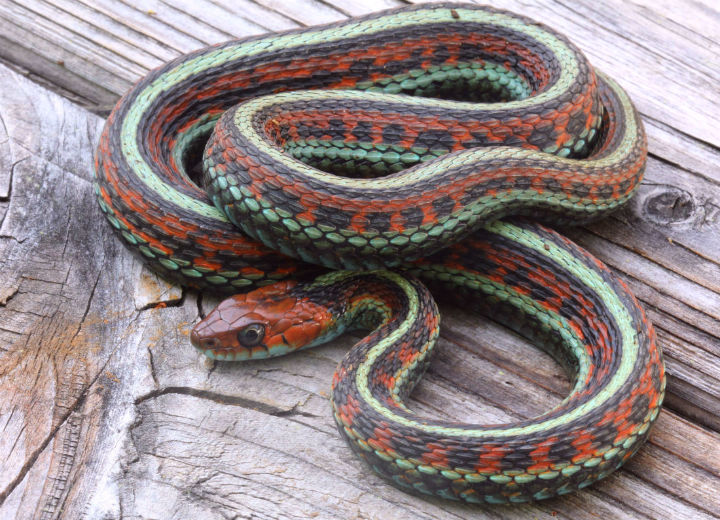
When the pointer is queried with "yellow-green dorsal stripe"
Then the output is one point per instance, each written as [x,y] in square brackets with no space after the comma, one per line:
[145,98]
[628,353]
[245,115]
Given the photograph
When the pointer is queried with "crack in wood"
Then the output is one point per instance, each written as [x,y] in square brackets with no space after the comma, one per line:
[14,239]
[30,462]
[71,391]
[673,164]
[54,491]
[171,302]
[48,161]
[151,364]
[11,175]
[231,400]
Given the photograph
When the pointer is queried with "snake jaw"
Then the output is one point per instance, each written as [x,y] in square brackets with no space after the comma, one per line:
[217,336]
[268,322]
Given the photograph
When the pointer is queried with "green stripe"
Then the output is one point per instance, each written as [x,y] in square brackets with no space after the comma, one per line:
[147,96]
[246,114]
[628,352]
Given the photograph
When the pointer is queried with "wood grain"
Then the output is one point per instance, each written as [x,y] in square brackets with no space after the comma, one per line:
[107,412]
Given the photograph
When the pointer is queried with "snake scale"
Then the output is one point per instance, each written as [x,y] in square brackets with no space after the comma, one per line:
[378,142]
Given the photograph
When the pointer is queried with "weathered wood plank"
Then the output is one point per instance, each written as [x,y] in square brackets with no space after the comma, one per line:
[130,398]
[140,426]
[677,38]
[305,12]
[665,240]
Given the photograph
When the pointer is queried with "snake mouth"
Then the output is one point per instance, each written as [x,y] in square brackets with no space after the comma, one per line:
[238,354]
[258,352]
[213,347]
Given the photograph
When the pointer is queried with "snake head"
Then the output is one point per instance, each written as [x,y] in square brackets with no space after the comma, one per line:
[267,322]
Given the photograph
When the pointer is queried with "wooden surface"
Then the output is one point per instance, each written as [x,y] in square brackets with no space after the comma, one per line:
[107,412]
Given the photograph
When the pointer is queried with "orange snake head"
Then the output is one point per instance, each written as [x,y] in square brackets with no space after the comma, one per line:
[267,322]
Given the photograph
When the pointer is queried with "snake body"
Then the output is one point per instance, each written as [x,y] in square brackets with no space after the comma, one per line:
[567,145]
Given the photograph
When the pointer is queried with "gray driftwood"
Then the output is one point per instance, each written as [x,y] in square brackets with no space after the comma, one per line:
[106,411]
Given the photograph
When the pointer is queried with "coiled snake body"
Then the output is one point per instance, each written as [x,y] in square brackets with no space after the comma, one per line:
[565,144]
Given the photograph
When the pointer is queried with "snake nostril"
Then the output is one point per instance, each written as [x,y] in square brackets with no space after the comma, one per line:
[210,343]
[199,342]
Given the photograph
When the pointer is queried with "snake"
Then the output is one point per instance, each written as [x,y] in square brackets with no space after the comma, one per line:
[349,167]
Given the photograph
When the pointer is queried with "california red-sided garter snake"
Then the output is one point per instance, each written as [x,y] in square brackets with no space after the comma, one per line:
[505,117]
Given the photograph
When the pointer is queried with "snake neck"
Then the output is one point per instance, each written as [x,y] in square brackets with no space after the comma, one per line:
[405,322]
[357,301]
[403,319]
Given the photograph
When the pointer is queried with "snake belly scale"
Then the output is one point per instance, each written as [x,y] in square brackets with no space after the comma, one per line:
[505,117]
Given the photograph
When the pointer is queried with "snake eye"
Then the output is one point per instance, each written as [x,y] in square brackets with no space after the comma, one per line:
[251,335]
